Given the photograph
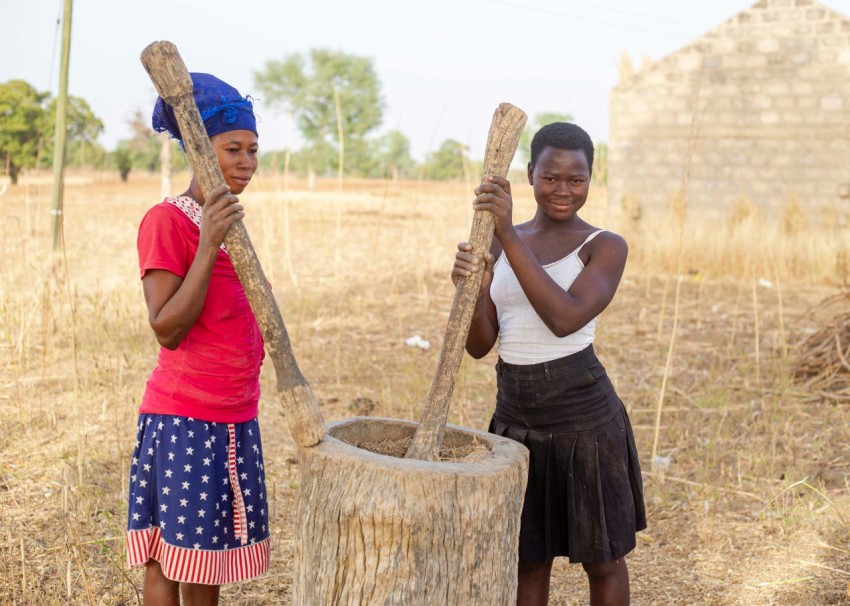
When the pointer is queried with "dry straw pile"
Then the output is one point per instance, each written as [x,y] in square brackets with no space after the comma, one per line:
[821,364]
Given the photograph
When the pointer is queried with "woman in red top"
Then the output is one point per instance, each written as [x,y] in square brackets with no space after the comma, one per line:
[198,513]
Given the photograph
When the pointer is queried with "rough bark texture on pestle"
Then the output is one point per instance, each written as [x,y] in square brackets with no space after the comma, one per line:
[174,84]
[399,531]
[505,130]
[302,413]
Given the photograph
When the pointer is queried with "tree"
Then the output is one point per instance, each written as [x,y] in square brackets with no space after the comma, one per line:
[83,130]
[22,117]
[540,120]
[391,155]
[446,163]
[123,161]
[145,146]
[311,87]
[144,149]
[27,122]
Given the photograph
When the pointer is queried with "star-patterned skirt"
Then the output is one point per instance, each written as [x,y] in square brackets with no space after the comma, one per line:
[198,501]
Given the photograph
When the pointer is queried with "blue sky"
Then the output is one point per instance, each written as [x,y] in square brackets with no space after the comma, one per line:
[444,65]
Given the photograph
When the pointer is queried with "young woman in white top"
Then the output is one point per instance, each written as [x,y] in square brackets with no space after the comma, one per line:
[540,300]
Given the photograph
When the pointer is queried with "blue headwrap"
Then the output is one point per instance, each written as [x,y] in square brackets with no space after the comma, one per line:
[222,108]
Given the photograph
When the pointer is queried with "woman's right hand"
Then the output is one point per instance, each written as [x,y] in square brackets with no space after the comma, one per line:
[494,195]
[467,264]
[220,211]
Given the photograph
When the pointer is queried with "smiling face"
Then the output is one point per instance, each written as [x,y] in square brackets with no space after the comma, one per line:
[561,181]
[236,151]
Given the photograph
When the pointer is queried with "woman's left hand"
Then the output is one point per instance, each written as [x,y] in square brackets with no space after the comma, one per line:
[495,195]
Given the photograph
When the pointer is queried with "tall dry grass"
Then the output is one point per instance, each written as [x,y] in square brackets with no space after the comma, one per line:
[355,275]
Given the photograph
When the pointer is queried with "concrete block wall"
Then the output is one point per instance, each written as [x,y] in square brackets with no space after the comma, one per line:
[760,105]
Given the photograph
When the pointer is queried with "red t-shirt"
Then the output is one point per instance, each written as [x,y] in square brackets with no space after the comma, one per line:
[213,375]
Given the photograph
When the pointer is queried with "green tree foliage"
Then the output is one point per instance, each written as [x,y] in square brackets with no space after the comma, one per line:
[310,86]
[274,160]
[27,122]
[123,161]
[81,154]
[143,150]
[320,157]
[145,146]
[79,118]
[447,163]
[532,126]
[22,118]
[391,156]
[83,127]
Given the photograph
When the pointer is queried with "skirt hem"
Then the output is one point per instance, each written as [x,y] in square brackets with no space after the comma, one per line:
[200,566]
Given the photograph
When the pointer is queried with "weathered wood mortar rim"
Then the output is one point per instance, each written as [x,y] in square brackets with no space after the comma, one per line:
[347,435]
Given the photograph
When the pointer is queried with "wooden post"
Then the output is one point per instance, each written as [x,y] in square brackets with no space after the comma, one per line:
[174,84]
[341,137]
[60,133]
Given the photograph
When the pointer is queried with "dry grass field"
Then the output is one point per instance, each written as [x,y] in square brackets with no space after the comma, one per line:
[748,502]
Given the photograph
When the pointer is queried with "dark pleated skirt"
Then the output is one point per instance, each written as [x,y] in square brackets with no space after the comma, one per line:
[584,498]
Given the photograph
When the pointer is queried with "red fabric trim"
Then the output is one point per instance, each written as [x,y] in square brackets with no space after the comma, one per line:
[240,525]
[197,565]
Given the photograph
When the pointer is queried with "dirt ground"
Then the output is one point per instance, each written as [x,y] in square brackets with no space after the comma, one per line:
[748,501]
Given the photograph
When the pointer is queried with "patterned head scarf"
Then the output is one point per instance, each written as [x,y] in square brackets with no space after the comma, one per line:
[222,109]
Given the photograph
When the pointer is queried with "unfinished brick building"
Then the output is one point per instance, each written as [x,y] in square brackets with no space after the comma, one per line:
[761,102]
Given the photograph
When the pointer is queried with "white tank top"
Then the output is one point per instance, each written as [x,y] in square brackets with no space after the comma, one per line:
[523,337]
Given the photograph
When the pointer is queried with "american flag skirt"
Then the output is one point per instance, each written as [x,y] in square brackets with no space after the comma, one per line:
[197,502]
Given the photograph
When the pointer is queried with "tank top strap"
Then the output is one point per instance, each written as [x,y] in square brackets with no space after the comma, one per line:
[588,239]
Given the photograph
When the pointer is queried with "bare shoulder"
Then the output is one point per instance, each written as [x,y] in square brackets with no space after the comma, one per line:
[608,239]
[523,230]
[607,246]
